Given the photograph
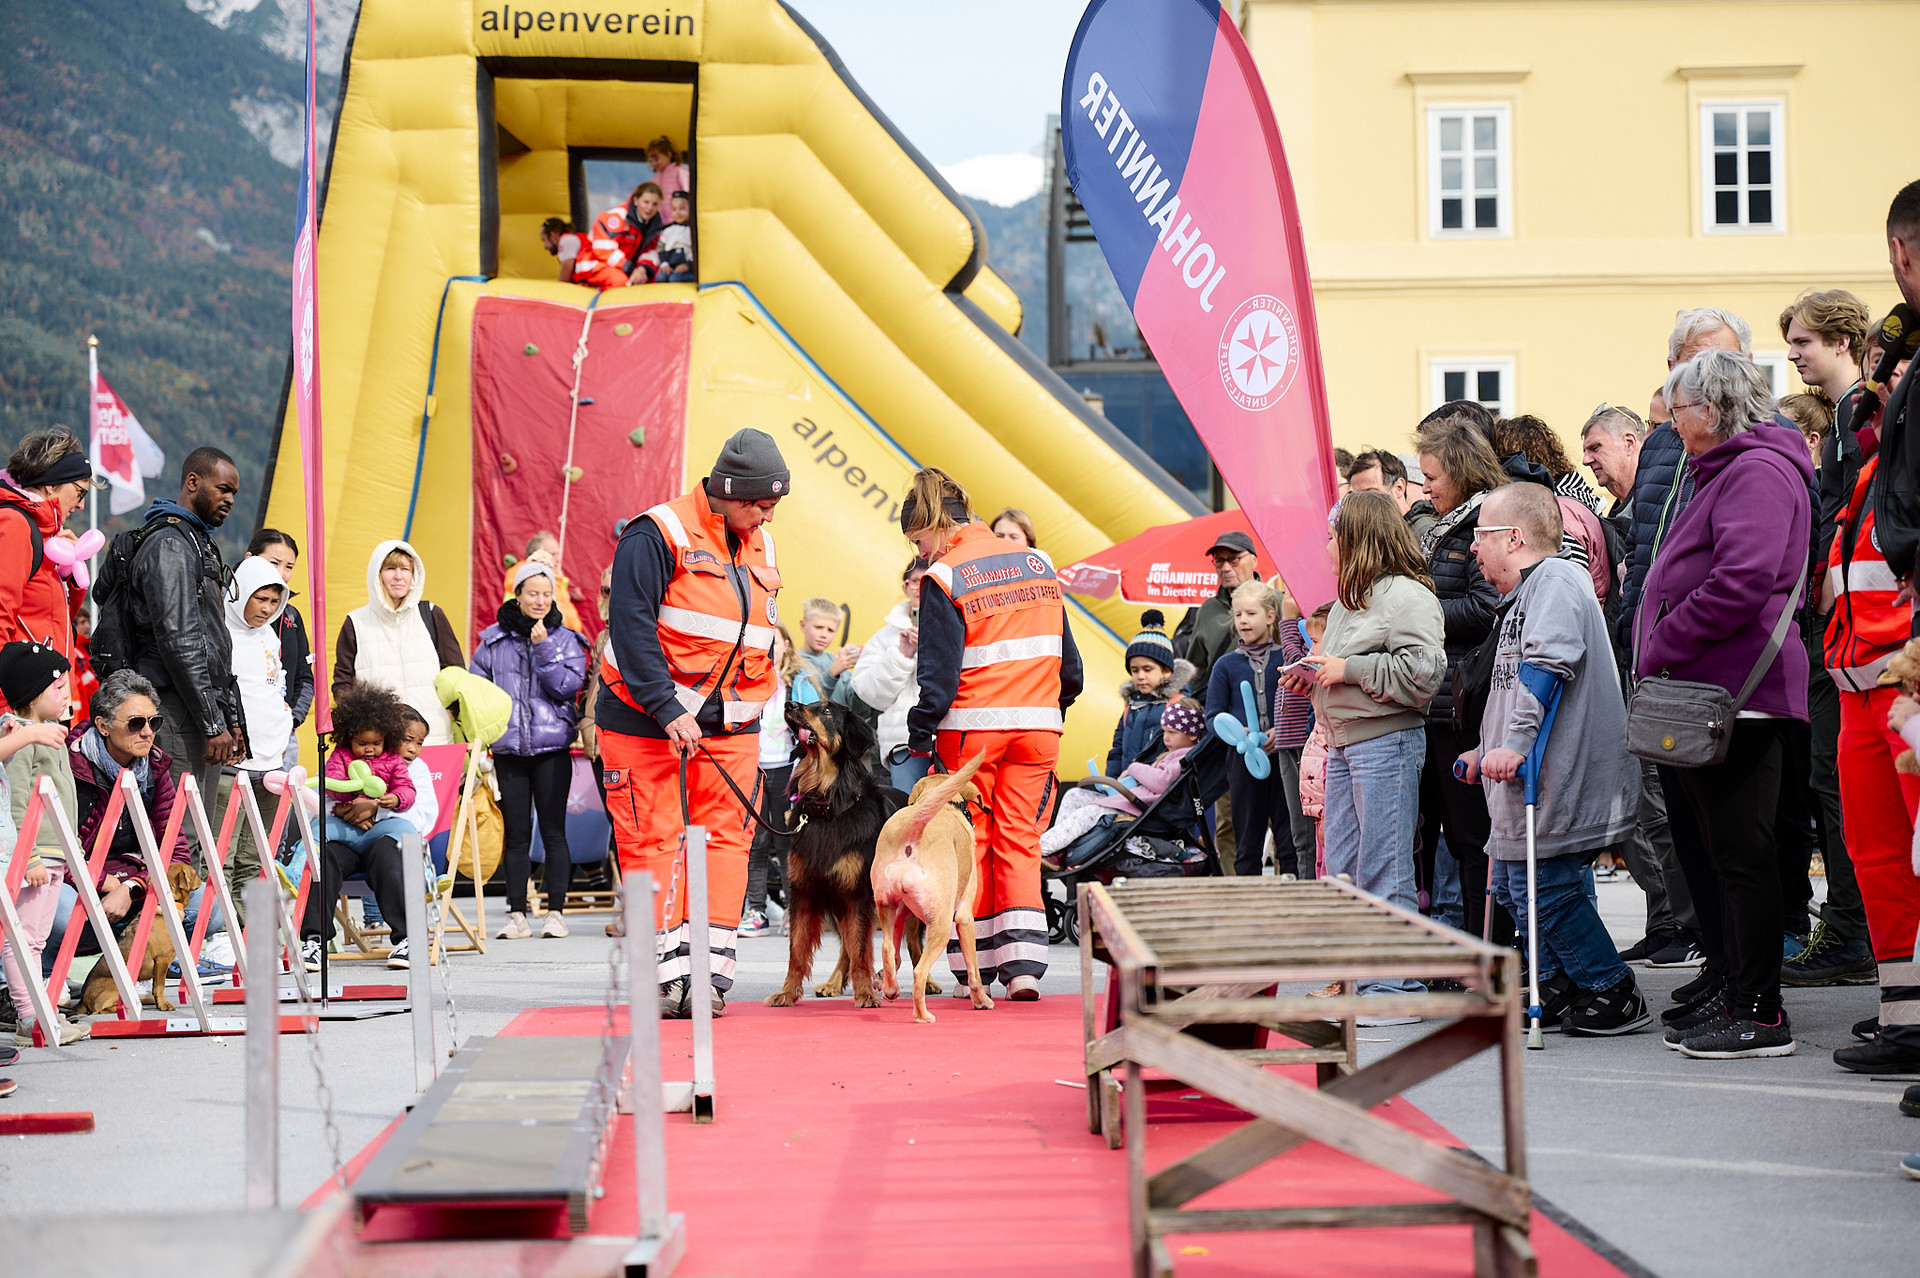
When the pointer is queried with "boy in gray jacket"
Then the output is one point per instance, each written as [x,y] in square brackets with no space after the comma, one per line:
[1588,788]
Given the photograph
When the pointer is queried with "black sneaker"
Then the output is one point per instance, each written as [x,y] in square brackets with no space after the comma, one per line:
[673,1000]
[1868,1030]
[1830,959]
[8,1017]
[1877,1057]
[719,1002]
[1647,946]
[1695,1019]
[1910,1102]
[1618,1009]
[1740,1039]
[1558,994]
[1681,951]
[1698,989]
[8,1055]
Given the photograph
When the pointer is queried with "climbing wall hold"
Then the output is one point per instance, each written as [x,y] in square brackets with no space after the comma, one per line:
[637,437]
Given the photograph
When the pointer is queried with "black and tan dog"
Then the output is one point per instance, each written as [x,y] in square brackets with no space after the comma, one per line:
[842,806]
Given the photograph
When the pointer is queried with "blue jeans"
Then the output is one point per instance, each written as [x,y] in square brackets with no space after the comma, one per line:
[1373,803]
[1447,905]
[1572,937]
[338,831]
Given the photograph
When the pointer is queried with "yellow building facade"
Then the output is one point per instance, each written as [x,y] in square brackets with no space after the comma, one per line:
[1511,199]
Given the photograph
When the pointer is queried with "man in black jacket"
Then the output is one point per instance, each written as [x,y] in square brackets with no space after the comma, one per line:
[177,632]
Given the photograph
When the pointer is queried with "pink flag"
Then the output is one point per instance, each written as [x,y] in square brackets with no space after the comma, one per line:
[1171,145]
[306,393]
[122,452]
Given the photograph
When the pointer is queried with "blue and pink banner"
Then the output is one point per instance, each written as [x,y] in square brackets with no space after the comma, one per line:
[306,390]
[1172,148]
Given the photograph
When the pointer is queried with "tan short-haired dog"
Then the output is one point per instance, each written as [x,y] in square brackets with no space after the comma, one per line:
[923,864]
[100,995]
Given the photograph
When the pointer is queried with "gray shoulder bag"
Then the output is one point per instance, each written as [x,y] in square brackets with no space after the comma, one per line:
[1685,724]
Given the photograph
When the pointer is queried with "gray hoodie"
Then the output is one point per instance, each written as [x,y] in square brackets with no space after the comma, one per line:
[1589,790]
[1396,655]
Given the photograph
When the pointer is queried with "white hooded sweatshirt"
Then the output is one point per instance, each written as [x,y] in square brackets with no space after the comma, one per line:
[395,648]
[257,667]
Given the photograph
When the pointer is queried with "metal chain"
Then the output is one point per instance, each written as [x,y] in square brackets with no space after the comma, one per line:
[446,959]
[605,1086]
[322,1090]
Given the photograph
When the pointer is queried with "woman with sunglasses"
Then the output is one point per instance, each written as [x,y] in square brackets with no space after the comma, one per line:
[119,737]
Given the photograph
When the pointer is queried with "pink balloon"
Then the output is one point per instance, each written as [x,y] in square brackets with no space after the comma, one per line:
[70,557]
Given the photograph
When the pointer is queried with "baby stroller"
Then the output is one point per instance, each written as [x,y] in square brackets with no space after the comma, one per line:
[1168,839]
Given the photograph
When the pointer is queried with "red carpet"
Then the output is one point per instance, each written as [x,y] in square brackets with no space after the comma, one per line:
[853,1142]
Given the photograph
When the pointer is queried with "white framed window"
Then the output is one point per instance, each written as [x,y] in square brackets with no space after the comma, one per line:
[1485,381]
[1469,188]
[1741,149]
[1773,365]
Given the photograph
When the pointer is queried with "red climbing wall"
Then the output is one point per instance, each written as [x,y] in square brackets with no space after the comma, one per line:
[635,374]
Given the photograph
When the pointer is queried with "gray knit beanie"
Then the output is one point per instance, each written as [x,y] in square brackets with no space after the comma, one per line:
[750,468]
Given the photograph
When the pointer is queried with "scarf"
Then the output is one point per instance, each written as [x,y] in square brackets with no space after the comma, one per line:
[1256,654]
[515,622]
[107,768]
[1446,524]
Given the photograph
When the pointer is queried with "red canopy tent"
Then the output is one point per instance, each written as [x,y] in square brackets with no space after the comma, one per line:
[1166,566]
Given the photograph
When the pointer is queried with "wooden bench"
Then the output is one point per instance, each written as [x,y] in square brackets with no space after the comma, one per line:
[1191,956]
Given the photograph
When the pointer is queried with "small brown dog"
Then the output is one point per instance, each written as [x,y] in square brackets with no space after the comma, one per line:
[100,995]
[923,863]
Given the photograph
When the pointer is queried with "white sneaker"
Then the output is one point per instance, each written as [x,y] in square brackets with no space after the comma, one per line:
[218,949]
[310,953]
[1024,989]
[514,929]
[554,926]
[398,957]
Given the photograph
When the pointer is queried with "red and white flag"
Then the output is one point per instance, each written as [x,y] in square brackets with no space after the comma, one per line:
[123,453]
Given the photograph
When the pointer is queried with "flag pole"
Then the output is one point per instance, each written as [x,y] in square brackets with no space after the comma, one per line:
[93,458]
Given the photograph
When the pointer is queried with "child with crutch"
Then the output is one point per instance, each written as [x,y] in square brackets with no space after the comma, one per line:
[1560,784]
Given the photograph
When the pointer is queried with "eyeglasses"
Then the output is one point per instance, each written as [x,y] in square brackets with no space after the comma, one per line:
[1483,529]
[1695,403]
[1604,407]
[139,724]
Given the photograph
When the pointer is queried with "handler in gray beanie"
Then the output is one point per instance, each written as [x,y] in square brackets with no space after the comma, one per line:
[750,468]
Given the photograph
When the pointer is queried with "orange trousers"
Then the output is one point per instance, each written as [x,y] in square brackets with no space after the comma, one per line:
[1878,805]
[643,800]
[1010,914]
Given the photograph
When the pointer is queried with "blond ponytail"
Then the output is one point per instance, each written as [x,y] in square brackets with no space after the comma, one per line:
[935,503]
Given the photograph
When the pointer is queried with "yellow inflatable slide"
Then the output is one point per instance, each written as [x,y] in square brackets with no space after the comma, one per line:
[845,306]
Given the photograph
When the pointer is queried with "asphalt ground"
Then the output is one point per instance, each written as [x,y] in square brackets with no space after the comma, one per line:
[1674,1167]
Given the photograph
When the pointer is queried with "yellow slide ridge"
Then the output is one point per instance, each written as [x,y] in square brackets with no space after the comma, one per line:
[846,306]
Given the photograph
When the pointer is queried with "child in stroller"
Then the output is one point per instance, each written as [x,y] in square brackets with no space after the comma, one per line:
[1154,828]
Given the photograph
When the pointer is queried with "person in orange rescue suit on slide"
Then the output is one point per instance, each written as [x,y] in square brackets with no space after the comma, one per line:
[686,674]
[997,671]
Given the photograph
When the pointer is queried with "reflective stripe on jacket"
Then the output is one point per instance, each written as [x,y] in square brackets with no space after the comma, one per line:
[1868,627]
[1011,605]
[716,617]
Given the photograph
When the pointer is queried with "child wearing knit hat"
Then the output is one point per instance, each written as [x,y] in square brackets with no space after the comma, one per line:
[33,678]
[1154,677]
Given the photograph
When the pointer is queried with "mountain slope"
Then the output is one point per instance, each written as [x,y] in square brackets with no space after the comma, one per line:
[135,204]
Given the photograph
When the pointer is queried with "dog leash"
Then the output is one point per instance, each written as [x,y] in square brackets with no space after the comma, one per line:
[746,804]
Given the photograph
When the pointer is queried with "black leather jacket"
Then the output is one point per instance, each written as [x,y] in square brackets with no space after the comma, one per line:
[175,599]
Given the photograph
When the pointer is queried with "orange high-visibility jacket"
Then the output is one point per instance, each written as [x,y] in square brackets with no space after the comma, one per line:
[715,642]
[609,247]
[1010,602]
[1868,627]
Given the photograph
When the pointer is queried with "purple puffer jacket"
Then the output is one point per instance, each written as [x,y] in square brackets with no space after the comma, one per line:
[1725,568]
[542,678]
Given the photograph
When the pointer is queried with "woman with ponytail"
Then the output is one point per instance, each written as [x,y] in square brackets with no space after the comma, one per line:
[997,671]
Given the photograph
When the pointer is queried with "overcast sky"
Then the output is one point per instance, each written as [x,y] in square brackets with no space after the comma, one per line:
[961,78]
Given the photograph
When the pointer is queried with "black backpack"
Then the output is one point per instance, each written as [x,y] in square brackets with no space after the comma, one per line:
[113,643]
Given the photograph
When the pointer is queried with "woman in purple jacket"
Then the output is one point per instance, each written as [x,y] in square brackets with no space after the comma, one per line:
[1723,570]
[532,656]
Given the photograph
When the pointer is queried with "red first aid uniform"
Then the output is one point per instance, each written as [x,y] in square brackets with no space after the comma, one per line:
[1007,704]
[715,629]
[607,251]
[1879,803]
